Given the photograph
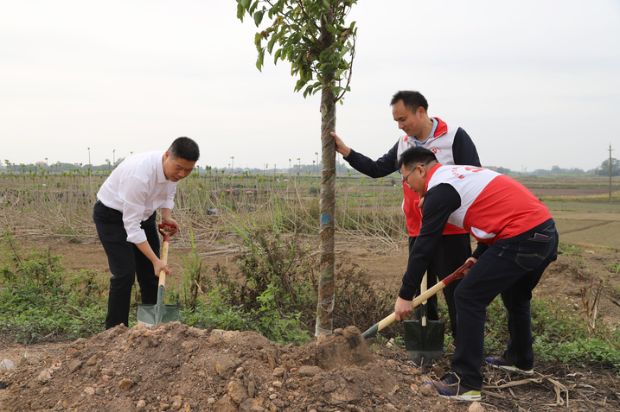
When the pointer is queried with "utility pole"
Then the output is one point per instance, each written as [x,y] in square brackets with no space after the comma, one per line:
[232,170]
[90,182]
[610,150]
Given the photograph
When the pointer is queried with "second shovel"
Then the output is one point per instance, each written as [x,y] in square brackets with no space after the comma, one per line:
[160,313]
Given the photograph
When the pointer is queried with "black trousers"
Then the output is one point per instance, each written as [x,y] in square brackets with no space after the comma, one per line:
[452,252]
[126,261]
[511,267]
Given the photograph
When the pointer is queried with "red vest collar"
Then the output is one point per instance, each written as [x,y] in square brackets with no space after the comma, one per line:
[430,174]
[442,127]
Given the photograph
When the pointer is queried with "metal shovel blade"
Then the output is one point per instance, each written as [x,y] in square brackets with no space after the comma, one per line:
[424,337]
[424,344]
[158,313]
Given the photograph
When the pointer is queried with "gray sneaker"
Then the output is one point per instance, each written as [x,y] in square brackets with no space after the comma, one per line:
[449,387]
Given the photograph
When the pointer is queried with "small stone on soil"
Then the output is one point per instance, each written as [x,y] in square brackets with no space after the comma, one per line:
[125,384]
[309,370]
[140,406]
[427,390]
[476,407]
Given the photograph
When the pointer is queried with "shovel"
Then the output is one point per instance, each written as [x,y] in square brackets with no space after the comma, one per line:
[159,313]
[424,338]
[458,274]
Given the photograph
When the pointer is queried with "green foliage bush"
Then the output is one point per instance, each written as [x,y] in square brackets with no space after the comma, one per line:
[560,334]
[275,291]
[36,300]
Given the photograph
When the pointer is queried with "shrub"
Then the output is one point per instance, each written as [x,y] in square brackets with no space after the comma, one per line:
[35,301]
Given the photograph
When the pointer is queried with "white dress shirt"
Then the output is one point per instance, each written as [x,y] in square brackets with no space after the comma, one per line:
[136,188]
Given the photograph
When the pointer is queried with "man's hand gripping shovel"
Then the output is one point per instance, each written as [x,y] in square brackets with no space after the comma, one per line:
[160,313]
[458,274]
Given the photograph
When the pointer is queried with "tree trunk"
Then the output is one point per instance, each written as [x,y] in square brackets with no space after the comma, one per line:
[327,287]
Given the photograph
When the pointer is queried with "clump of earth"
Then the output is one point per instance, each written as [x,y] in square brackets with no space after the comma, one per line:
[174,367]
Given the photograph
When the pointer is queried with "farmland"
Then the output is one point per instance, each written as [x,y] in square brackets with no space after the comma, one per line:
[54,210]
[43,204]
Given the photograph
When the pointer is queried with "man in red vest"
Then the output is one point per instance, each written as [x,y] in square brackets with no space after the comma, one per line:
[452,145]
[517,240]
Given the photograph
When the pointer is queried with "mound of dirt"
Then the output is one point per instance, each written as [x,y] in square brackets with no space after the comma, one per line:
[174,367]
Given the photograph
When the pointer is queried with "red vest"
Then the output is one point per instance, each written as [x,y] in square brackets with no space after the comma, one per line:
[441,145]
[493,206]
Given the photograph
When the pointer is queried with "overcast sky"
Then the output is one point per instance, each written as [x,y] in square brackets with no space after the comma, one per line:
[534,83]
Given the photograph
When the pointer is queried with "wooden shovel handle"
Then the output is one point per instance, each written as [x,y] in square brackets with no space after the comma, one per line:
[458,274]
[164,258]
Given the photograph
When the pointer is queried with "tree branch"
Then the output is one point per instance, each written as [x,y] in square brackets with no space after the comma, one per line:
[310,22]
[350,71]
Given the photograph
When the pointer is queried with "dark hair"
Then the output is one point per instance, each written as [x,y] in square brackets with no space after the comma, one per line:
[184,148]
[411,99]
[415,156]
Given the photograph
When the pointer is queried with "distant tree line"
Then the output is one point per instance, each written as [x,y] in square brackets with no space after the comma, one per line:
[602,170]
[59,167]
[303,169]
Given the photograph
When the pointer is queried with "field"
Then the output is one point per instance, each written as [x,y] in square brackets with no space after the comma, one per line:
[43,209]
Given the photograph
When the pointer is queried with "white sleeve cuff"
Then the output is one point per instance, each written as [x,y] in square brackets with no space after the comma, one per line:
[136,237]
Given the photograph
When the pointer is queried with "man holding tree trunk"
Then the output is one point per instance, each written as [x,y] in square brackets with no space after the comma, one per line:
[452,145]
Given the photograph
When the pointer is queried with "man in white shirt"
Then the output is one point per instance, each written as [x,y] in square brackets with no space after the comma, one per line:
[125,217]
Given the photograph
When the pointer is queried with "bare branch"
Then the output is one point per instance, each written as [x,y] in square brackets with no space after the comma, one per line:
[350,71]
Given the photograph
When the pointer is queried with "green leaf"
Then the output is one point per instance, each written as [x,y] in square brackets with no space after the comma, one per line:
[240,12]
[260,59]
[245,3]
[271,43]
[258,17]
[326,4]
[331,29]
[276,56]
[257,40]
[299,85]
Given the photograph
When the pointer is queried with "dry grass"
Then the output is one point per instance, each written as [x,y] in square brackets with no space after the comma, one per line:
[43,204]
